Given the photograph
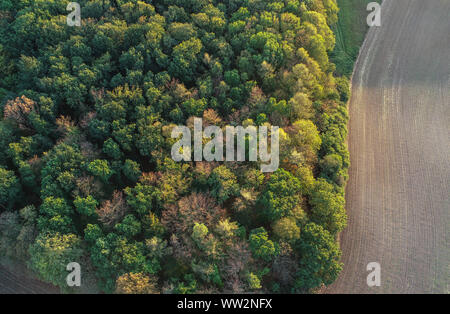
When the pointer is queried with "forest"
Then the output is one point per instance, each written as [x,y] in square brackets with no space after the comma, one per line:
[86,173]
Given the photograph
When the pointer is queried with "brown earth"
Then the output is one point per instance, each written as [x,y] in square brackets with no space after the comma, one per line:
[20,281]
[398,192]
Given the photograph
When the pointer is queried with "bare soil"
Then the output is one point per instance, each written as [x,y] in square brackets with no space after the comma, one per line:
[18,280]
[398,192]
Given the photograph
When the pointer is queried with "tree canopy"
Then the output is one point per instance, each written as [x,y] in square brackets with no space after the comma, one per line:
[86,173]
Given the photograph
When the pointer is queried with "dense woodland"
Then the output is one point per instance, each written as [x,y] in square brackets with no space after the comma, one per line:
[86,173]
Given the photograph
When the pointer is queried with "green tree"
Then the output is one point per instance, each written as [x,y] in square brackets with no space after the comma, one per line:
[130,226]
[281,195]
[100,168]
[223,183]
[85,206]
[331,166]
[7,136]
[50,255]
[319,258]
[58,223]
[286,229]
[149,139]
[328,207]
[131,170]
[112,149]
[261,246]
[9,188]
[184,59]
[254,282]
[199,232]
[143,198]
[136,283]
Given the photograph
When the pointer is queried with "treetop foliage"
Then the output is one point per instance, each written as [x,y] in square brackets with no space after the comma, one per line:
[85,167]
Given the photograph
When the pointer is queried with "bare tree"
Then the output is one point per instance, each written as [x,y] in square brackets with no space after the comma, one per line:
[112,211]
[285,266]
[88,185]
[19,110]
[195,208]
[239,257]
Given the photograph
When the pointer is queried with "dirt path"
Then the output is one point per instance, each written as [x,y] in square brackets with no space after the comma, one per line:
[398,193]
